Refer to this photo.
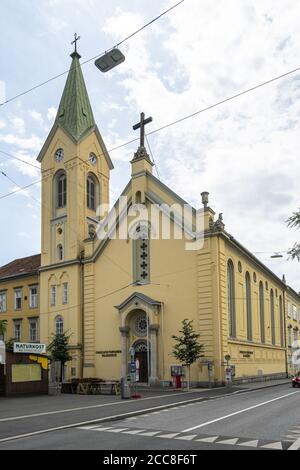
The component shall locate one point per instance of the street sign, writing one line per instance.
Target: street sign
(132, 367)
(29, 348)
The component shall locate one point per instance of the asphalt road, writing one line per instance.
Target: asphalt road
(259, 419)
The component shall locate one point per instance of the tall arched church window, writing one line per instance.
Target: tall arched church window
(281, 322)
(61, 190)
(141, 254)
(92, 192)
(272, 316)
(59, 325)
(248, 306)
(231, 300)
(262, 313)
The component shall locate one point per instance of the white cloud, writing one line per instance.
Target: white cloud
(2, 124)
(36, 116)
(51, 113)
(29, 143)
(18, 124)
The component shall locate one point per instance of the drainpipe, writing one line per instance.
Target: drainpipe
(81, 258)
(285, 336)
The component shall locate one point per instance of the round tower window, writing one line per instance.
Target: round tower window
(140, 324)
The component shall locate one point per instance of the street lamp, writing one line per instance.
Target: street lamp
(276, 255)
(110, 60)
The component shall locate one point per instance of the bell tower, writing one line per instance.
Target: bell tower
(75, 173)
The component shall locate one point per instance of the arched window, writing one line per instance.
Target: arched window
(61, 189)
(248, 306)
(262, 312)
(282, 340)
(59, 325)
(92, 192)
(60, 252)
(272, 316)
(231, 300)
(141, 253)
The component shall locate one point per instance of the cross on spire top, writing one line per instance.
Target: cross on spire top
(76, 38)
(141, 125)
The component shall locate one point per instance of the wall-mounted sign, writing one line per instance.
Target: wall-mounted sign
(29, 348)
(109, 353)
(246, 353)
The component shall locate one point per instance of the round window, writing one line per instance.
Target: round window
(140, 324)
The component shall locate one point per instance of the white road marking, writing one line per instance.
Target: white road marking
(237, 412)
(189, 437)
(273, 445)
(118, 430)
(134, 431)
(208, 439)
(296, 445)
(150, 433)
(253, 443)
(169, 436)
(229, 441)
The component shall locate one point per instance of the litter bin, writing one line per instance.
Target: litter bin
(125, 388)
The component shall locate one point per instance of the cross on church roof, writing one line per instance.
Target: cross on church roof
(141, 125)
(76, 38)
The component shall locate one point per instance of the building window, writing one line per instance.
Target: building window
(248, 306)
(281, 323)
(262, 313)
(53, 295)
(267, 285)
(33, 297)
(59, 325)
(231, 300)
(60, 252)
(2, 302)
(141, 254)
(61, 183)
(65, 293)
(289, 312)
(295, 336)
(33, 331)
(289, 335)
(18, 299)
(294, 312)
(17, 331)
(299, 315)
(240, 267)
(272, 317)
(254, 277)
(91, 193)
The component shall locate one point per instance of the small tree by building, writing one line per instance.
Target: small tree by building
(294, 222)
(59, 350)
(187, 348)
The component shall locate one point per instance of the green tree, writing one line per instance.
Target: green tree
(294, 222)
(59, 350)
(187, 348)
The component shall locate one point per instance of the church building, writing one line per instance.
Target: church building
(120, 280)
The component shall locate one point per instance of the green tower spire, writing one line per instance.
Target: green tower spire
(75, 113)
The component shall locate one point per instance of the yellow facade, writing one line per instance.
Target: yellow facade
(26, 313)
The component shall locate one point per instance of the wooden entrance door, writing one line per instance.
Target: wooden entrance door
(141, 356)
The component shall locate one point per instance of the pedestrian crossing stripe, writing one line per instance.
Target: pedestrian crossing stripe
(224, 440)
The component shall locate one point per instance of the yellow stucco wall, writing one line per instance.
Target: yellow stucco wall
(25, 312)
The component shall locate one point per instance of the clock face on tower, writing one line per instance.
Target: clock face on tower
(59, 155)
(93, 158)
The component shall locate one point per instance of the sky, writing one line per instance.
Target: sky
(244, 152)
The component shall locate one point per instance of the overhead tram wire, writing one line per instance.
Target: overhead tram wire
(186, 117)
(152, 156)
(92, 58)
(9, 155)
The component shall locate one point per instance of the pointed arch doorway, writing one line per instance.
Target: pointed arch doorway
(142, 360)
